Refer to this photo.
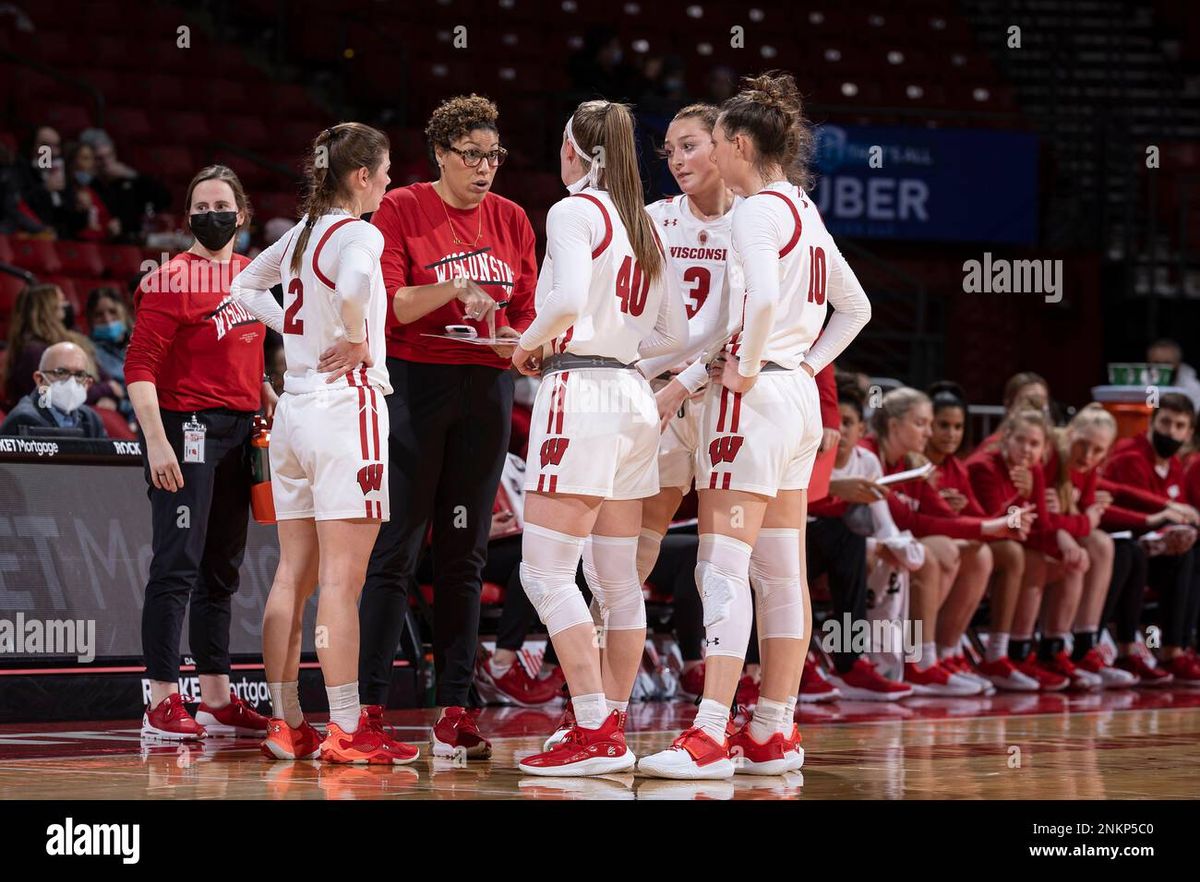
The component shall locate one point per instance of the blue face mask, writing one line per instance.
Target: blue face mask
(83, 178)
(242, 245)
(109, 332)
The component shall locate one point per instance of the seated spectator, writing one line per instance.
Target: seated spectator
(1167, 351)
(56, 402)
(128, 195)
(1023, 391)
(15, 214)
(836, 541)
(108, 317)
(1008, 555)
(1151, 462)
(39, 320)
(92, 220)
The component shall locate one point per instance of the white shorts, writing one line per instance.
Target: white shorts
(594, 432)
(678, 448)
(764, 440)
(329, 455)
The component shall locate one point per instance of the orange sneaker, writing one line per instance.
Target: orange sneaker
(366, 745)
(283, 742)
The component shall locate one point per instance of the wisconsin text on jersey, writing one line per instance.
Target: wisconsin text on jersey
(475, 265)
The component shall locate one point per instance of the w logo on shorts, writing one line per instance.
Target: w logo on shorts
(725, 448)
(553, 450)
(370, 477)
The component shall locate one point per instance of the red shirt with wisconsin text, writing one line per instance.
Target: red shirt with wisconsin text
(418, 236)
(200, 347)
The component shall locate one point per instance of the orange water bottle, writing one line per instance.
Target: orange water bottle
(262, 504)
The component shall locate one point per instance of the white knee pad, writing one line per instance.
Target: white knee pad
(610, 566)
(548, 563)
(778, 591)
(649, 544)
(722, 578)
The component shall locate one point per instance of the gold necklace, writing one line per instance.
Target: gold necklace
(454, 235)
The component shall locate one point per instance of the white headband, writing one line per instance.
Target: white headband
(593, 175)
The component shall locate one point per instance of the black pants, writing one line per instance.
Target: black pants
(831, 547)
(1175, 578)
(1127, 591)
(449, 435)
(198, 540)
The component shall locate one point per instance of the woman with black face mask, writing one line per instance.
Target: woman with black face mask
(194, 370)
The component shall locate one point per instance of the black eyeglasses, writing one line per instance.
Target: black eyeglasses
(472, 158)
(58, 374)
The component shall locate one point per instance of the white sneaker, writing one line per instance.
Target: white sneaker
(692, 756)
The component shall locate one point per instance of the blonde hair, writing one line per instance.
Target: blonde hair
(895, 405)
(609, 126)
(1090, 418)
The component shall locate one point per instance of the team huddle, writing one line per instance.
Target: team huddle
(677, 344)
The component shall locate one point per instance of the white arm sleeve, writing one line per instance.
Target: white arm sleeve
(569, 228)
(758, 234)
(358, 262)
(671, 326)
(851, 312)
(252, 286)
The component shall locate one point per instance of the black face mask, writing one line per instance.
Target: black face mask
(213, 229)
(1164, 445)
(68, 316)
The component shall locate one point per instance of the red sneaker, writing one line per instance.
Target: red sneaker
(366, 745)
(691, 756)
(1048, 680)
(514, 686)
(1003, 674)
(170, 720)
(1112, 678)
(814, 687)
(283, 742)
(565, 724)
(1080, 679)
(777, 756)
(1184, 670)
(457, 735)
(234, 719)
(864, 683)
(747, 693)
(936, 680)
(599, 751)
(958, 664)
(1140, 668)
(691, 683)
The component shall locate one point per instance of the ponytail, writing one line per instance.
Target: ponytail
(605, 131)
(336, 152)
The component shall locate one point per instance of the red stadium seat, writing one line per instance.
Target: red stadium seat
(121, 261)
(186, 126)
(67, 118)
(115, 425)
(36, 255)
(128, 125)
(6, 254)
(80, 258)
(10, 287)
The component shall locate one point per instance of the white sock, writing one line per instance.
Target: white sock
(498, 670)
(769, 717)
(997, 647)
(947, 652)
(344, 708)
(929, 656)
(791, 716)
(622, 706)
(711, 716)
(590, 710)
(285, 702)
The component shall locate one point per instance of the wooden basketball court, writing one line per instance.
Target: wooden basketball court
(1135, 744)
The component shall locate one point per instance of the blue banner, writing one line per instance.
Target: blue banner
(934, 184)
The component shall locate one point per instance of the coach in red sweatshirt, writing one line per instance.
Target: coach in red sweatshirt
(454, 253)
(194, 370)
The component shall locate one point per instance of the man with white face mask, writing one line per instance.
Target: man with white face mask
(60, 387)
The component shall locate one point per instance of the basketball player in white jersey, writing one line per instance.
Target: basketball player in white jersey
(604, 300)
(762, 428)
(695, 228)
(329, 441)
